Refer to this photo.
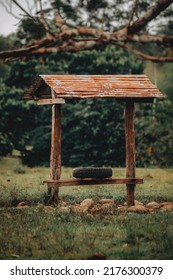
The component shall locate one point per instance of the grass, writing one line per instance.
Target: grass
(38, 232)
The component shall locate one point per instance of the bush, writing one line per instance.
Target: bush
(154, 137)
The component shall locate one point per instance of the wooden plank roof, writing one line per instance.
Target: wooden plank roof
(121, 87)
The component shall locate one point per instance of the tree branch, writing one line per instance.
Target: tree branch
(22, 52)
(76, 39)
(146, 56)
(8, 9)
(82, 37)
(21, 8)
(66, 47)
(60, 22)
(152, 13)
(145, 39)
(43, 20)
(134, 8)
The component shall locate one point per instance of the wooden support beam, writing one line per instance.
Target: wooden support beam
(136, 99)
(51, 101)
(130, 150)
(78, 182)
(55, 158)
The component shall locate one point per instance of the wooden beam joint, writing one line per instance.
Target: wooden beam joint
(50, 101)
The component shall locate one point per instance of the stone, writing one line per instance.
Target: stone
(167, 208)
(152, 204)
(63, 203)
(107, 208)
(95, 209)
(138, 202)
(65, 209)
(122, 209)
(76, 208)
(21, 204)
(49, 208)
(137, 209)
(165, 203)
(106, 200)
(87, 203)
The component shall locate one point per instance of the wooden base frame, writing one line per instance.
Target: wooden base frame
(55, 159)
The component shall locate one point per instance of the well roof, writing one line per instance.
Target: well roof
(122, 87)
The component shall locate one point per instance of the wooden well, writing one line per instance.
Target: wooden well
(56, 89)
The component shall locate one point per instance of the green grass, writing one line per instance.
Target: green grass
(36, 233)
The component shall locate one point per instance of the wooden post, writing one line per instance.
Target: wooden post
(130, 150)
(55, 158)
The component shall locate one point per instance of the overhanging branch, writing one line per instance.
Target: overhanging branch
(144, 55)
(76, 39)
(152, 13)
(145, 39)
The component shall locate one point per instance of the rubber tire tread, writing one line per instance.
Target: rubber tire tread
(95, 172)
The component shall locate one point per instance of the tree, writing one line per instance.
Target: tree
(14, 115)
(6, 43)
(84, 25)
(93, 130)
(154, 136)
(165, 82)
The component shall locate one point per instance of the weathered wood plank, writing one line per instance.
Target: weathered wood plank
(136, 99)
(119, 96)
(130, 150)
(50, 101)
(55, 158)
(93, 86)
(77, 182)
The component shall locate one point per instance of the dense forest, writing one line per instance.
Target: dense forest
(93, 130)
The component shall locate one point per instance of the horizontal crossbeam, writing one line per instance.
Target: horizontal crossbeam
(78, 182)
(50, 101)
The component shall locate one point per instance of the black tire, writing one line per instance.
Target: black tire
(95, 172)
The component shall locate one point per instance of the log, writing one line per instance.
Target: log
(55, 158)
(130, 150)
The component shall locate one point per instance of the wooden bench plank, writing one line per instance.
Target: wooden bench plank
(78, 182)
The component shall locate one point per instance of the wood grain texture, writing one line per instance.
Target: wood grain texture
(93, 86)
(78, 182)
(130, 150)
(50, 101)
(55, 158)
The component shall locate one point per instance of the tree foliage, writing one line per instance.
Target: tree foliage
(93, 130)
(165, 81)
(86, 37)
(154, 136)
(14, 115)
(71, 26)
